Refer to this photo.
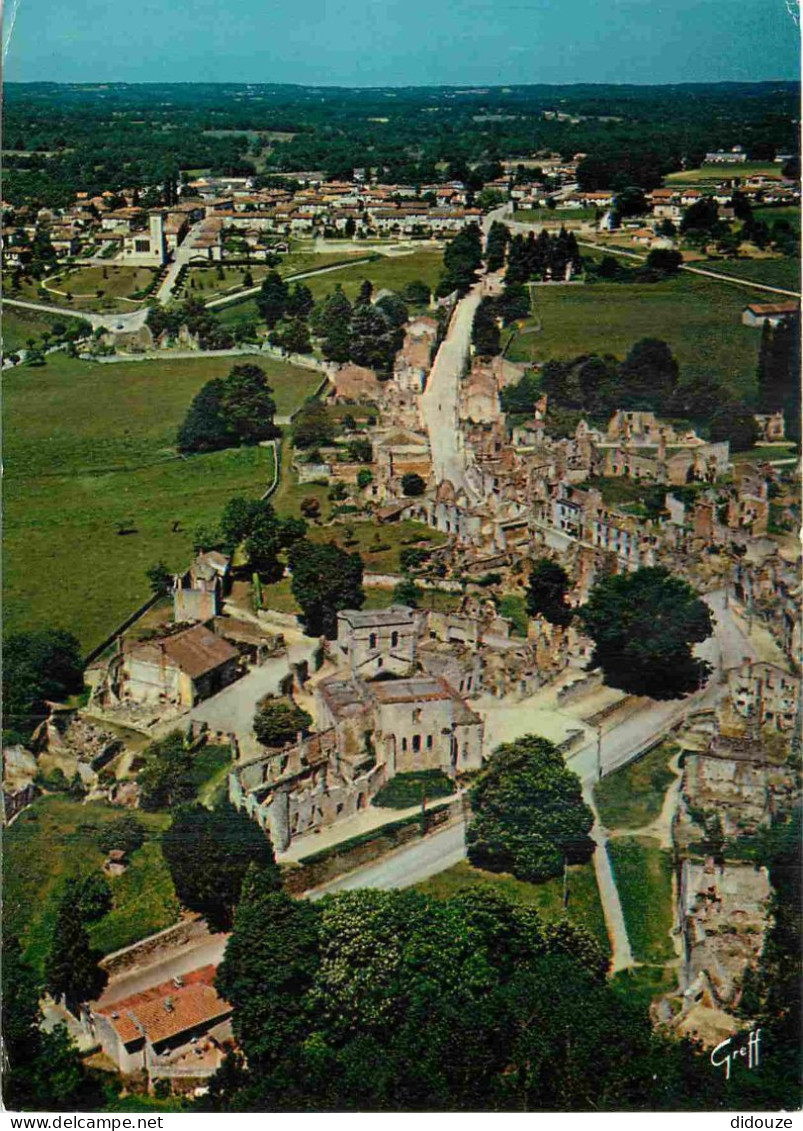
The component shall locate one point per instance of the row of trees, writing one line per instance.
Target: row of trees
(649, 378)
(368, 333)
(542, 257)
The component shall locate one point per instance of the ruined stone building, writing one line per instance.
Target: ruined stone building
(177, 670)
(198, 594)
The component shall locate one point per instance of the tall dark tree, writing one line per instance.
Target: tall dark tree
(229, 411)
(547, 590)
(209, 853)
(461, 260)
(735, 422)
(272, 299)
(38, 667)
(648, 375)
(644, 626)
(528, 813)
(485, 335)
(71, 966)
(496, 245)
(165, 779)
(312, 425)
(325, 580)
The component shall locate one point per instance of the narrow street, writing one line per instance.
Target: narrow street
(439, 402)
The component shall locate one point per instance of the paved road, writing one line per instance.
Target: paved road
(232, 710)
(207, 952)
(183, 254)
(439, 402)
(737, 281)
(406, 866)
(132, 321)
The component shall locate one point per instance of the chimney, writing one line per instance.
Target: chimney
(168, 1005)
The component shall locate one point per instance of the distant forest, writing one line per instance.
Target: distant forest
(59, 139)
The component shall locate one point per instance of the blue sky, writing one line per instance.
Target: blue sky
(402, 42)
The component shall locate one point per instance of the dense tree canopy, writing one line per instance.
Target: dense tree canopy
(325, 580)
(165, 780)
(278, 722)
(528, 814)
(644, 626)
(547, 590)
(393, 1001)
(71, 967)
(230, 411)
(209, 852)
(38, 667)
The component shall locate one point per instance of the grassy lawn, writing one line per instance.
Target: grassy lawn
(773, 271)
(57, 837)
(391, 272)
(770, 214)
(642, 870)
(210, 770)
(765, 452)
(619, 490)
(379, 547)
(279, 597)
(513, 606)
(81, 284)
(89, 446)
(633, 796)
(553, 216)
(699, 318)
(713, 174)
(20, 324)
(643, 984)
(584, 906)
(405, 790)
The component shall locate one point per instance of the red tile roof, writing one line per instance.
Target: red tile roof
(166, 1010)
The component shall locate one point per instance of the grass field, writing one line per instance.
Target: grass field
(584, 907)
(83, 283)
(56, 838)
(19, 325)
(699, 318)
(633, 796)
(209, 285)
(279, 597)
(391, 272)
(379, 546)
(708, 174)
(773, 271)
(642, 870)
(89, 446)
(770, 214)
(553, 216)
(406, 790)
(641, 984)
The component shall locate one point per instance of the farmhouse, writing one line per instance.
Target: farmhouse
(759, 313)
(179, 669)
(174, 1029)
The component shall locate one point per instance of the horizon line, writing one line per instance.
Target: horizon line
(468, 88)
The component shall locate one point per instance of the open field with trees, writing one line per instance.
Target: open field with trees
(553, 216)
(386, 272)
(698, 318)
(770, 213)
(770, 271)
(713, 174)
(123, 287)
(90, 451)
(20, 324)
(57, 837)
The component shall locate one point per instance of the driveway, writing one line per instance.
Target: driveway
(232, 710)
